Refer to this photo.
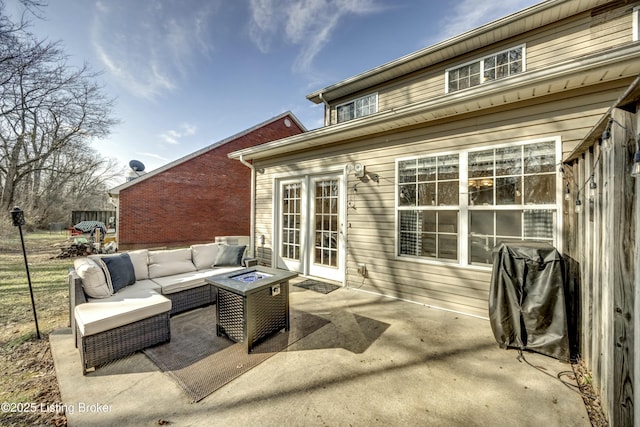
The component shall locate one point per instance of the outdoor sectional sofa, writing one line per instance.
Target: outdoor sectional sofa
(121, 303)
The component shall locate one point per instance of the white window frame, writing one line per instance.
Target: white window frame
(481, 61)
(636, 23)
(434, 207)
(463, 207)
(355, 112)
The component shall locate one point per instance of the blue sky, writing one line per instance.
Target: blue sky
(188, 73)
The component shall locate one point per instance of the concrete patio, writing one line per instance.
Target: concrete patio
(427, 367)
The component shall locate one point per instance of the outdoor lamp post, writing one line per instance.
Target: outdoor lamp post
(17, 216)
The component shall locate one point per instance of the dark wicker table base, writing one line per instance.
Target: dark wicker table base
(254, 317)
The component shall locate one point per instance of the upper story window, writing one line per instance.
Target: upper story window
(494, 67)
(357, 108)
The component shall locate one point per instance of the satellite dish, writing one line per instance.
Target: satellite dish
(136, 165)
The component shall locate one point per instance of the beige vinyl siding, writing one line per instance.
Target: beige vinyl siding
(571, 38)
(577, 37)
(371, 229)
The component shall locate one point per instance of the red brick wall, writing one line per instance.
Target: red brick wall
(204, 197)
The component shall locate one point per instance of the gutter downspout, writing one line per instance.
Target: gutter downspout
(327, 110)
(253, 206)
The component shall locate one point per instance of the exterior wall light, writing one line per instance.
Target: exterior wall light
(593, 188)
(606, 137)
(635, 169)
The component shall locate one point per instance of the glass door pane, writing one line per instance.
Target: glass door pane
(326, 218)
(291, 220)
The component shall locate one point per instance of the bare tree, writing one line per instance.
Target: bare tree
(48, 111)
(75, 178)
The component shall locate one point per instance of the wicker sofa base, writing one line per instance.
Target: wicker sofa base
(102, 348)
(191, 298)
(107, 346)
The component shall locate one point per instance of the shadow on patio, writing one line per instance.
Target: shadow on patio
(376, 361)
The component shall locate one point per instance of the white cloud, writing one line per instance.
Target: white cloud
(153, 156)
(150, 47)
(188, 129)
(304, 23)
(469, 14)
(173, 137)
(264, 22)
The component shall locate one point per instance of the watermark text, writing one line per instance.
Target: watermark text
(57, 407)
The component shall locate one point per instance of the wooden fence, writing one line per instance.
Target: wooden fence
(600, 241)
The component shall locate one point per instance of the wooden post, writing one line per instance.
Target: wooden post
(620, 303)
(636, 306)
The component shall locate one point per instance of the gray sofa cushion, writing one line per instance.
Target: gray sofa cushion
(135, 289)
(170, 262)
(119, 309)
(181, 282)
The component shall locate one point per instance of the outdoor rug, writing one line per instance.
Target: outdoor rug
(318, 286)
(201, 362)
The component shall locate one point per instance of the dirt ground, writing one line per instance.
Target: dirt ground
(29, 366)
(591, 400)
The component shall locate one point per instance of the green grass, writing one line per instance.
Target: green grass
(49, 282)
(25, 361)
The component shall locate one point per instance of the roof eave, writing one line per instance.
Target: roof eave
(470, 39)
(116, 190)
(553, 79)
(627, 101)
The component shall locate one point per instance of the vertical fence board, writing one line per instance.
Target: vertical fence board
(621, 396)
(601, 244)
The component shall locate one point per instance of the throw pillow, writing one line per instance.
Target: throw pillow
(230, 255)
(204, 255)
(94, 281)
(140, 261)
(121, 271)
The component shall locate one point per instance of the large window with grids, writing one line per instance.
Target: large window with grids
(493, 67)
(356, 108)
(428, 198)
(457, 207)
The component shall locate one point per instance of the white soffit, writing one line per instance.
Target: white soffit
(598, 68)
(517, 23)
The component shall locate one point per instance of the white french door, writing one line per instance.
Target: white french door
(290, 228)
(310, 226)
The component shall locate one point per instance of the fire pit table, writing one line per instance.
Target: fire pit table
(252, 303)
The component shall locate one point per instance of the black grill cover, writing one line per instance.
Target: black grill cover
(527, 307)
